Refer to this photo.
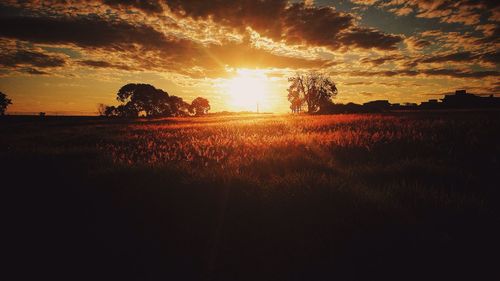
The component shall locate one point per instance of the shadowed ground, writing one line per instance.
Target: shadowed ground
(397, 196)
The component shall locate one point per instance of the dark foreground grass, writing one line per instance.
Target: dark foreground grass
(352, 197)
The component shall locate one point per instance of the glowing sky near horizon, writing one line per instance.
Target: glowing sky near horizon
(68, 56)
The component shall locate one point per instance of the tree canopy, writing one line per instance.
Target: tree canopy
(138, 99)
(4, 103)
(199, 106)
(313, 89)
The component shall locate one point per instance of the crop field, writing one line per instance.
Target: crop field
(253, 197)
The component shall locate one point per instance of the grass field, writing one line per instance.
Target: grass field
(253, 197)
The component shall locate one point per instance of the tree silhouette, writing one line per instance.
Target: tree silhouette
(110, 111)
(294, 97)
(178, 106)
(4, 103)
(101, 109)
(199, 106)
(127, 110)
(312, 89)
(145, 98)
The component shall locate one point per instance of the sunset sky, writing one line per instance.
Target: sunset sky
(67, 56)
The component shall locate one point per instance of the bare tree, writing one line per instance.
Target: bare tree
(294, 94)
(312, 89)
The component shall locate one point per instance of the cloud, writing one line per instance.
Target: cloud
(279, 20)
(214, 60)
(453, 57)
(368, 94)
(468, 57)
(32, 58)
(199, 60)
(386, 73)
(148, 6)
(495, 87)
(30, 61)
(145, 47)
(491, 57)
(81, 31)
(243, 55)
(364, 2)
(296, 23)
(492, 37)
(381, 60)
(416, 44)
(455, 73)
(358, 83)
(315, 26)
(367, 38)
(487, 29)
(33, 71)
(103, 64)
(402, 11)
(461, 73)
(264, 16)
(468, 12)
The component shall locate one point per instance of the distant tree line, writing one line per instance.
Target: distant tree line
(146, 100)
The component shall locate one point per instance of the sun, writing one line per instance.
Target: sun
(248, 90)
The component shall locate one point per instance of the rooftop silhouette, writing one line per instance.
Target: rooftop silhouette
(459, 100)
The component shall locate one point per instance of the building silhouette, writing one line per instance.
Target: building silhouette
(462, 99)
(459, 100)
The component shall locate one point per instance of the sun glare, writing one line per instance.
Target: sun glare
(248, 90)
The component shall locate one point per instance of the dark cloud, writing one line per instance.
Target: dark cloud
(81, 31)
(421, 43)
(148, 6)
(468, 12)
(367, 38)
(357, 83)
(453, 57)
(494, 38)
(455, 73)
(315, 26)
(460, 73)
(264, 16)
(416, 44)
(463, 57)
(24, 57)
(96, 63)
(382, 60)
(103, 64)
(295, 23)
(32, 71)
(491, 57)
(387, 73)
